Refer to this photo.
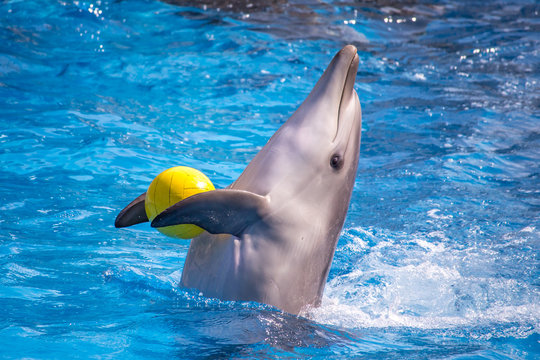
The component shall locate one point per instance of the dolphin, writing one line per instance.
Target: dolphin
(271, 235)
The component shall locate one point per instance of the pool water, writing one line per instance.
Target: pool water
(439, 255)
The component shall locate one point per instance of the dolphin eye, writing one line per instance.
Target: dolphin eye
(336, 162)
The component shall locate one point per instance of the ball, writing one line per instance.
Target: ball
(168, 188)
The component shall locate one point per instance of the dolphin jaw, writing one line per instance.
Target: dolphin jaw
(323, 114)
(348, 94)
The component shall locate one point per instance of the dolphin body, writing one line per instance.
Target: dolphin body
(271, 235)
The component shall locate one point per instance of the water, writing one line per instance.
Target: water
(439, 254)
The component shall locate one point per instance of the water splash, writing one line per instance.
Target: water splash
(426, 282)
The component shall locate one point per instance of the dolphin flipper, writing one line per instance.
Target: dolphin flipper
(132, 214)
(223, 211)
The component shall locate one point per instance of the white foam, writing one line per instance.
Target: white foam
(421, 282)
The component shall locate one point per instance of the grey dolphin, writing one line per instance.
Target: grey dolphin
(271, 235)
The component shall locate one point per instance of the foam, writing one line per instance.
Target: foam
(422, 282)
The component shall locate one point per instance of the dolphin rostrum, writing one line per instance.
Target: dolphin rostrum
(271, 235)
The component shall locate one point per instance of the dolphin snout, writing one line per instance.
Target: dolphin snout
(350, 78)
(349, 50)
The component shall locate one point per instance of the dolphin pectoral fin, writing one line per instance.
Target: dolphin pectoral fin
(132, 214)
(223, 211)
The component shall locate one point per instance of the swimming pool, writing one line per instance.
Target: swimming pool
(438, 257)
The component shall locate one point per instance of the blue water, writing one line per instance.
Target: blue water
(439, 255)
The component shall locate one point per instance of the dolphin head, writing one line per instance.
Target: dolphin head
(313, 157)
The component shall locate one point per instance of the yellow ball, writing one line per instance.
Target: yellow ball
(170, 187)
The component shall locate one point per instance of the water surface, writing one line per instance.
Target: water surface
(438, 257)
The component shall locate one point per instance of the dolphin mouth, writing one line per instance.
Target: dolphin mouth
(344, 127)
